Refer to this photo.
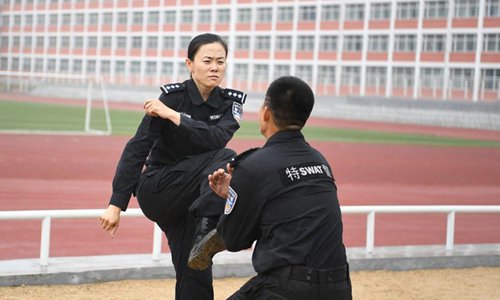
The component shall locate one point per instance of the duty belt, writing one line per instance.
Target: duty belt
(306, 274)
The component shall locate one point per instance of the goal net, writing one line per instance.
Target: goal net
(53, 103)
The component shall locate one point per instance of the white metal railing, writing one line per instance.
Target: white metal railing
(451, 210)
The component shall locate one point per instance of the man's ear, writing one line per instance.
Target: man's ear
(266, 114)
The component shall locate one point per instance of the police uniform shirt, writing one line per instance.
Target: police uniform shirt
(284, 196)
(204, 126)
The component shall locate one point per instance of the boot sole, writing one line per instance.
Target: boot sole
(200, 257)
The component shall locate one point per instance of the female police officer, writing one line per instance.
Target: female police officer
(181, 139)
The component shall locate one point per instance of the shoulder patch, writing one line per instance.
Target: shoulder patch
(230, 201)
(234, 95)
(237, 111)
(236, 160)
(172, 88)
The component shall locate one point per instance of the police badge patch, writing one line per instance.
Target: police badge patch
(237, 111)
(230, 201)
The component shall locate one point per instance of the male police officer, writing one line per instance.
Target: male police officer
(284, 197)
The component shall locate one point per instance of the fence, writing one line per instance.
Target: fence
(47, 215)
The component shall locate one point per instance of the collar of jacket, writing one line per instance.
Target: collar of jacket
(215, 99)
(285, 136)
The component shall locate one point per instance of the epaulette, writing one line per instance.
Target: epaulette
(236, 160)
(234, 95)
(172, 88)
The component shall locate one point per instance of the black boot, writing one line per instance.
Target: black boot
(207, 243)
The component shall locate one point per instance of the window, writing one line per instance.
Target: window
(380, 11)
(328, 43)
(184, 42)
(39, 42)
(106, 42)
(281, 70)
(283, 43)
(65, 42)
(28, 21)
(122, 18)
(350, 75)
(66, 19)
(490, 79)
(121, 42)
(466, 8)
(330, 13)
(223, 16)
(464, 43)
(242, 43)
(78, 42)
(376, 76)
(354, 12)
(5, 21)
(403, 77)
(77, 66)
(353, 43)
(79, 19)
(285, 14)
(107, 18)
(120, 67)
(304, 72)
(260, 72)
(169, 17)
(4, 42)
(26, 65)
(168, 43)
(135, 67)
(4, 63)
(305, 43)
(407, 10)
(241, 72)
(244, 15)
(262, 43)
(326, 75)
(431, 77)
(15, 64)
(264, 15)
(204, 16)
(40, 20)
(167, 68)
(491, 42)
(91, 66)
(307, 13)
(153, 18)
(136, 42)
(137, 18)
(405, 43)
(17, 20)
(105, 67)
(492, 8)
(434, 43)
(151, 68)
(461, 78)
(28, 40)
(187, 16)
(378, 43)
(152, 42)
(39, 65)
(94, 19)
(436, 10)
(92, 42)
(64, 66)
(53, 19)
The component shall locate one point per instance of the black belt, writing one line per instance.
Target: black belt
(306, 274)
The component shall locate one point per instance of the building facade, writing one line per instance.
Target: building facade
(416, 49)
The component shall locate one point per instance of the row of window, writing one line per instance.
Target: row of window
(350, 75)
(327, 12)
(351, 43)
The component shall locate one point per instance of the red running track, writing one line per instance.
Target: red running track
(75, 172)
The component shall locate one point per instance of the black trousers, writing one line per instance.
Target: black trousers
(165, 195)
(284, 285)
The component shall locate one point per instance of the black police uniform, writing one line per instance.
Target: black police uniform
(178, 160)
(284, 197)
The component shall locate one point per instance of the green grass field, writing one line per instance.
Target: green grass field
(53, 117)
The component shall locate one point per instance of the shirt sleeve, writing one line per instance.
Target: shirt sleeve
(210, 137)
(132, 161)
(239, 227)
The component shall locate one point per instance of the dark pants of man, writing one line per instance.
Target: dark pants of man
(165, 194)
(276, 288)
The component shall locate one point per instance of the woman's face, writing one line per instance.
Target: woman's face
(208, 66)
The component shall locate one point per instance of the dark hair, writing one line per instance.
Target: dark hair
(203, 39)
(291, 101)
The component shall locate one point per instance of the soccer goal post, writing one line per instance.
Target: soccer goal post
(64, 90)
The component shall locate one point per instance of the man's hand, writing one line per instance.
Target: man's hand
(110, 219)
(156, 108)
(219, 181)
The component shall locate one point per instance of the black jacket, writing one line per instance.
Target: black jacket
(204, 126)
(284, 196)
